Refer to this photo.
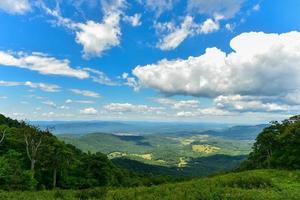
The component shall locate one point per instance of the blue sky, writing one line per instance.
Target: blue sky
(231, 61)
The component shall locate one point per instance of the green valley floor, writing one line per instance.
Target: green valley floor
(254, 185)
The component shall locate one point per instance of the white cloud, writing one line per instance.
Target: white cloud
(176, 35)
(95, 37)
(54, 105)
(86, 93)
(48, 114)
(79, 101)
(15, 6)
(186, 114)
(226, 8)
(89, 111)
(134, 20)
(256, 7)
(42, 86)
(100, 77)
(209, 26)
(127, 107)
(50, 104)
(41, 63)
(130, 81)
(229, 26)
(3, 97)
(179, 104)
(158, 6)
(18, 114)
(247, 104)
(63, 107)
(203, 112)
(260, 64)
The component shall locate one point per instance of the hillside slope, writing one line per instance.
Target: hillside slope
(248, 185)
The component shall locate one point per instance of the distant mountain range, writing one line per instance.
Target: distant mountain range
(141, 128)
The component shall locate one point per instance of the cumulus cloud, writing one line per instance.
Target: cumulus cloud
(98, 37)
(89, 111)
(41, 86)
(15, 6)
(134, 20)
(95, 37)
(41, 63)
(260, 64)
(176, 35)
(86, 93)
(209, 26)
(226, 8)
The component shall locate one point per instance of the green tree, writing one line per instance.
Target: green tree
(12, 173)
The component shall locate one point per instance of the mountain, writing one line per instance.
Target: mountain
(141, 128)
(239, 132)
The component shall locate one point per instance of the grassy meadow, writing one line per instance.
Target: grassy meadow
(248, 185)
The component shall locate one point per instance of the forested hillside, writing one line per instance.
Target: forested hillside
(31, 158)
(277, 146)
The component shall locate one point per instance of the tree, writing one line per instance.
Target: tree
(33, 140)
(12, 173)
(58, 158)
(277, 146)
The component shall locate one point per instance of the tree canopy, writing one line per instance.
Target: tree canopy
(277, 146)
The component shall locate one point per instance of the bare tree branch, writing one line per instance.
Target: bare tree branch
(27, 147)
(3, 136)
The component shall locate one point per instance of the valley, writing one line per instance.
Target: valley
(179, 153)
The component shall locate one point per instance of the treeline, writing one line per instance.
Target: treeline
(277, 146)
(31, 158)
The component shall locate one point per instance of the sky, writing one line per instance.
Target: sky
(228, 61)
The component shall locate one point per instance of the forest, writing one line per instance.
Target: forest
(34, 159)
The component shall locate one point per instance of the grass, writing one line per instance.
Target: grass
(248, 185)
